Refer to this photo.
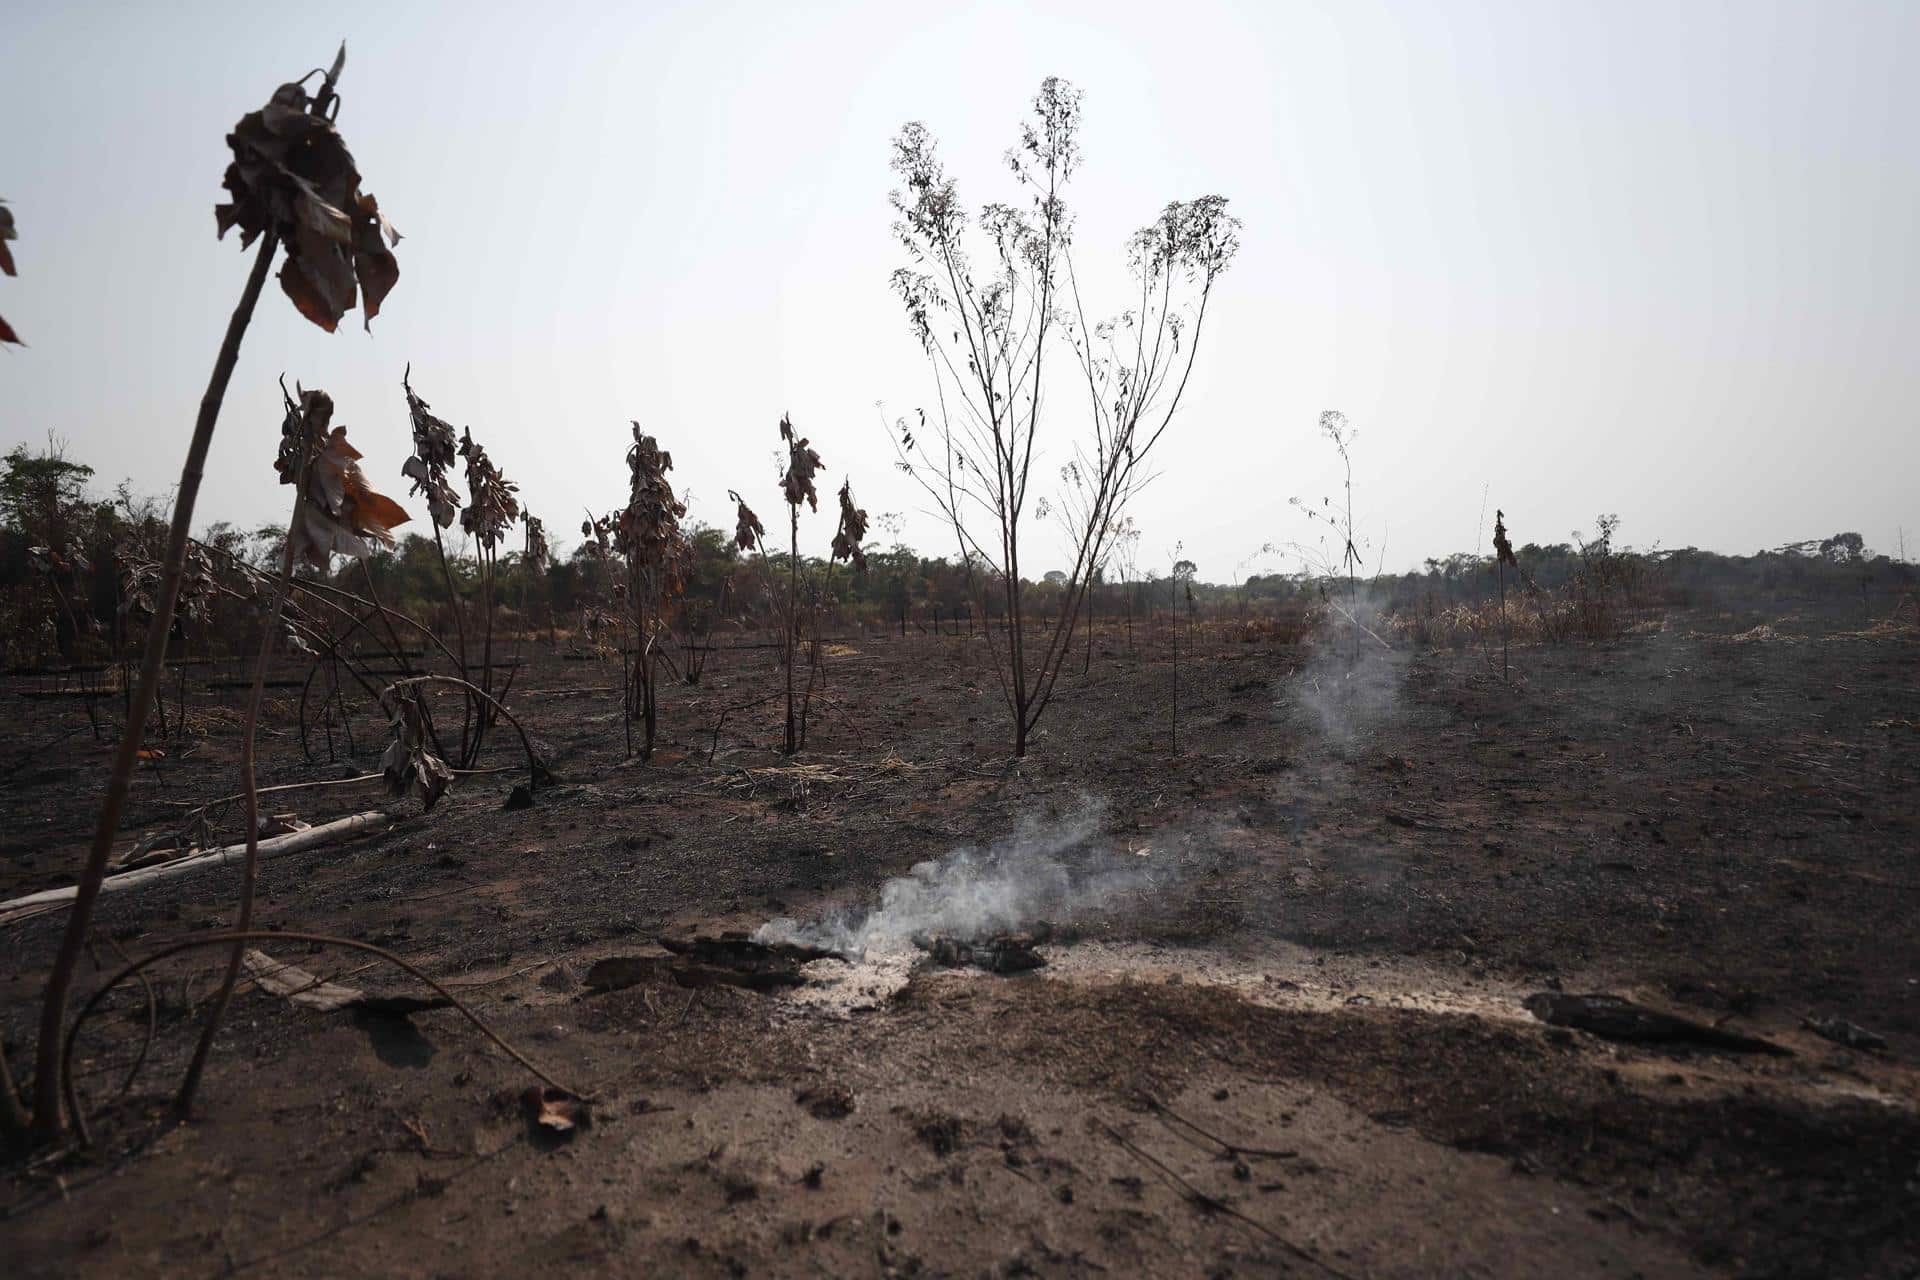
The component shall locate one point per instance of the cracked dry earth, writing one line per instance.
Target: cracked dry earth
(1291, 1043)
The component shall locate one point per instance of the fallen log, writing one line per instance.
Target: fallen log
(34, 904)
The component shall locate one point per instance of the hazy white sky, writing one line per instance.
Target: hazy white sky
(1657, 259)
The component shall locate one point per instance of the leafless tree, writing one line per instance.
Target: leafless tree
(338, 254)
(991, 320)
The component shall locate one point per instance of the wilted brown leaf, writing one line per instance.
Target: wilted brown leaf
(6, 264)
(554, 1110)
(341, 511)
(536, 548)
(747, 529)
(6, 233)
(1503, 549)
(491, 506)
(410, 763)
(434, 451)
(802, 463)
(649, 528)
(293, 175)
(852, 531)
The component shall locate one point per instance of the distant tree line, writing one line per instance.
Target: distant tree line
(75, 569)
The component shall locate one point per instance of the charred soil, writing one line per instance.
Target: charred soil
(1292, 1043)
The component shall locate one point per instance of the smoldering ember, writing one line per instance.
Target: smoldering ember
(512, 766)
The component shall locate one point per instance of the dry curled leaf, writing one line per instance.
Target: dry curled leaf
(852, 530)
(747, 529)
(410, 763)
(292, 175)
(341, 512)
(802, 463)
(598, 531)
(554, 1110)
(649, 528)
(6, 233)
(140, 577)
(536, 548)
(6, 264)
(434, 451)
(491, 506)
(1503, 549)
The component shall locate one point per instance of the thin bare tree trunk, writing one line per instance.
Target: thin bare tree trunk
(486, 660)
(249, 784)
(1503, 620)
(459, 608)
(49, 1118)
(1176, 666)
(399, 654)
(792, 743)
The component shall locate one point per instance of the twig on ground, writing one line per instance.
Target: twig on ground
(1170, 1117)
(1211, 1204)
(260, 935)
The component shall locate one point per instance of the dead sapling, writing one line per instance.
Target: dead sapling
(410, 763)
(848, 536)
(334, 511)
(1349, 560)
(436, 450)
(649, 538)
(292, 183)
(534, 555)
(490, 513)
(990, 300)
(749, 534)
(1503, 556)
(1180, 578)
(796, 484)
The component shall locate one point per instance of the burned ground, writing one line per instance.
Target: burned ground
(1331, 912)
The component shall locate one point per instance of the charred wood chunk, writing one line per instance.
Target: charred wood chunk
(736, 950)
(617, 972)
(1840, 1031)
(731, 960)
(1001, 953)
(1614, 1018)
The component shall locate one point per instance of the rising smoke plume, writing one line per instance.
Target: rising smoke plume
(1054, 872)
(1350, 685)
